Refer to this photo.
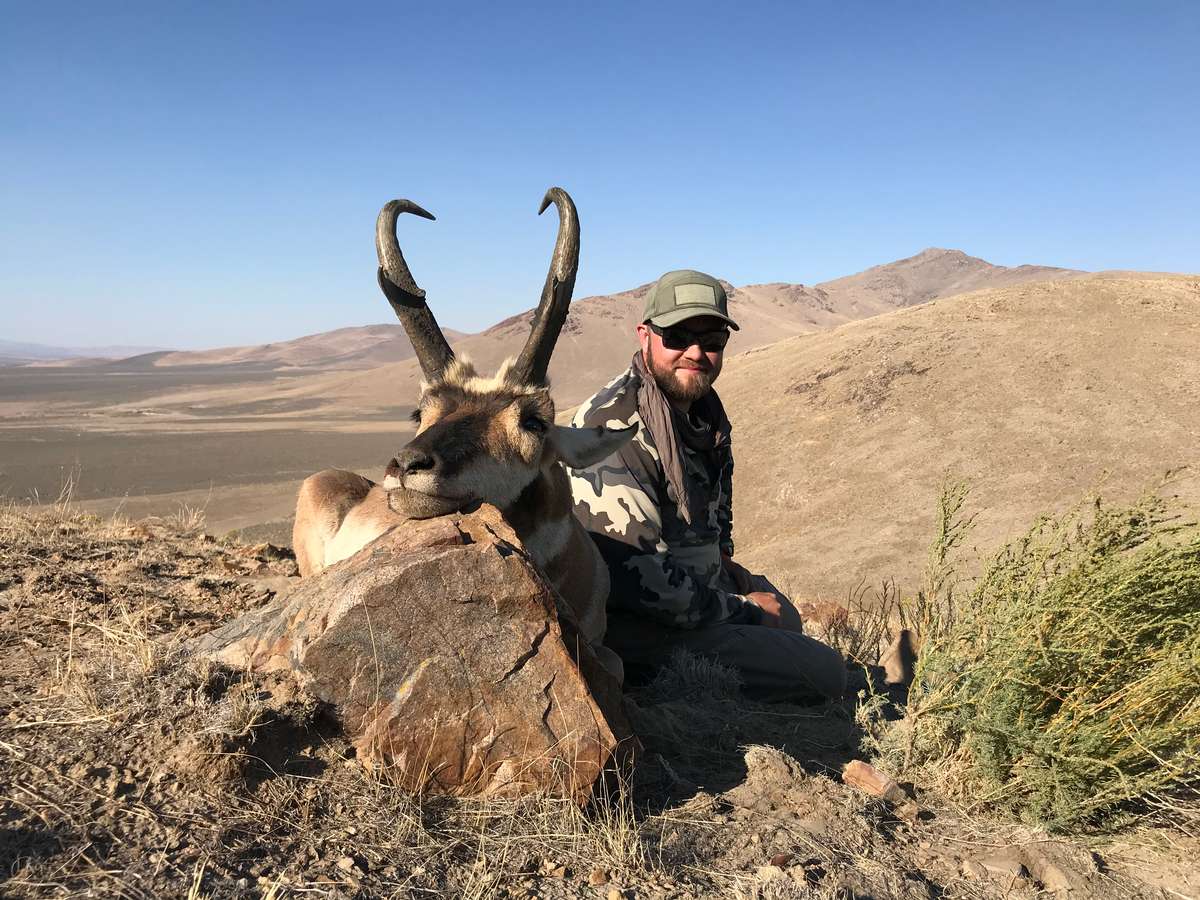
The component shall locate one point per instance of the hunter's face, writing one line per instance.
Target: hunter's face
(685, 358)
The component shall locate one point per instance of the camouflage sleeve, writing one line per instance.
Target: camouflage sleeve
(725, 510)
(618, 501)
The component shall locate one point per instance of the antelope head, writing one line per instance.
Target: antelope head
(481, 438)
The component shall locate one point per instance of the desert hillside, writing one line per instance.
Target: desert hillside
(770, 311)
(1036, 394)
(930, 274)
(597, 340)
(360, 347)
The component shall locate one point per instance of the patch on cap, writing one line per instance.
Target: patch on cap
(701, 294)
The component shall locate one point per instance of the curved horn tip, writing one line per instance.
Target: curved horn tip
(552, 196)
(407, 206)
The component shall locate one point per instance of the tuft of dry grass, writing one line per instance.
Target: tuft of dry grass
(188, 520)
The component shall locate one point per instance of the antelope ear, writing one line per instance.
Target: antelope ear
(579, 447)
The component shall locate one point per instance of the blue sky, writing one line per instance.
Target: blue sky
(194, 175)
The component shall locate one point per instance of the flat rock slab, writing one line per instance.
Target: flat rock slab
(439, 644)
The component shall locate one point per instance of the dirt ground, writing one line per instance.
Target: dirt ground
(119, 439)
(117, 466)
(131, 769)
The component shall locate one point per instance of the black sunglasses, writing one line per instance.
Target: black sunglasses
(676, 338)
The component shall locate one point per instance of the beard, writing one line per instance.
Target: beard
(699, 381)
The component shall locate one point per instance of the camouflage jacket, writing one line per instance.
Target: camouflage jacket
(660, 566)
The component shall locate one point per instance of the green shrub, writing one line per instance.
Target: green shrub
(1064, 683)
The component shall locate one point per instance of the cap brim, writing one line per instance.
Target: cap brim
(683, 313)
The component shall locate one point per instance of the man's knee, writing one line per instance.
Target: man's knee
(822, 667)
(786, 663)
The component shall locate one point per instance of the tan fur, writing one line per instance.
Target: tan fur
(338, 513)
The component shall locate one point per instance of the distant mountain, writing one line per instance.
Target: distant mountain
(15, 353)
(597, 340)
(930, 274)
(363, 347)
(598, 332)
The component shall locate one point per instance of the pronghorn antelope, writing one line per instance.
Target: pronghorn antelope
(478, 439)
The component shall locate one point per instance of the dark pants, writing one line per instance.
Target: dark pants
(772, 662)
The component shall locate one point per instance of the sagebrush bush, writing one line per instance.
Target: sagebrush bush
(1064, 682)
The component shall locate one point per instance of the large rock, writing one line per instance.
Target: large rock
(441, 648)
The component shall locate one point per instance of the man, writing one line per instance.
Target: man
(660, 510)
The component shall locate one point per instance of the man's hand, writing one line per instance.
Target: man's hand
(770, 606)
(778, 611)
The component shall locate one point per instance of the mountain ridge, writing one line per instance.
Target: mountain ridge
(774, 310)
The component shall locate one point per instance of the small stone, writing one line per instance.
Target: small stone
(781, 859)
(769, 873)
(867, 778)
(908, 812)
(615, 894)
(1005, 864)
(972, 869)
(552, 869)
(347, 863)
(1053, 877)
(597, 877)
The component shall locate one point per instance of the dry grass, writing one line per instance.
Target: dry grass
(138, 771)
(872, 617)
(187, 519)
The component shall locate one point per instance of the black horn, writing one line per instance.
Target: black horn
(408, 300)
(551, 313)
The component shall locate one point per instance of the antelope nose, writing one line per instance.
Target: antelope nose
(411, 461)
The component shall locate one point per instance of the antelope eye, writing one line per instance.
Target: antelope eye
(533, 424)
(415, 415)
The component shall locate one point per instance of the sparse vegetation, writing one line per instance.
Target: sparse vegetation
(133, 769)
(188, 519)
(861, 633)
(1063, 683)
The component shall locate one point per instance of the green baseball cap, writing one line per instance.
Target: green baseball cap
(685, 294)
